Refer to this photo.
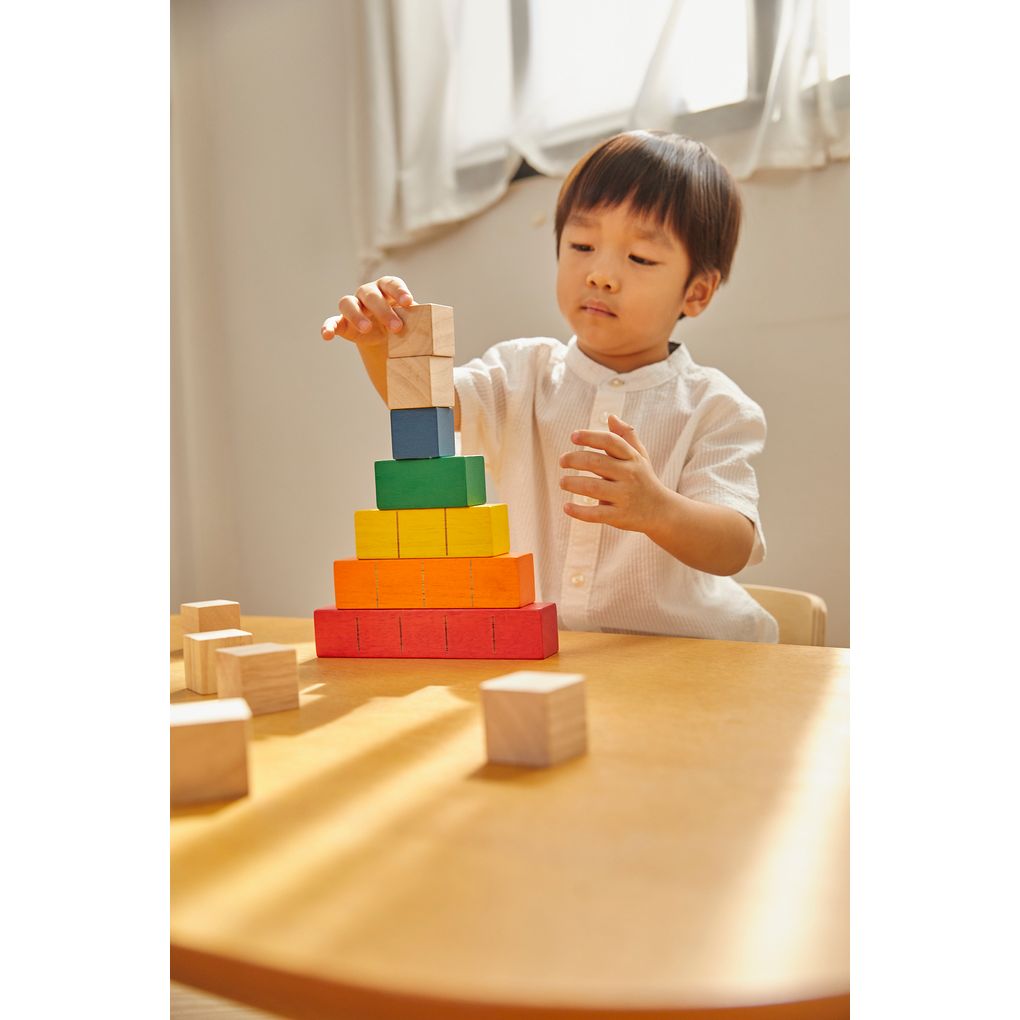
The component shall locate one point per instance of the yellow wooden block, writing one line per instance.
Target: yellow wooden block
(422, 532)
(375, 534)
(477, 530)
(419, 382)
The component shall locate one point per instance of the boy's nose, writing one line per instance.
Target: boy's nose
(603, 281)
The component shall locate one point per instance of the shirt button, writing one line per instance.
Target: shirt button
(615, 382)
(577, 580)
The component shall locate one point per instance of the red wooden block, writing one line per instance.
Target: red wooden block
(526, 633)
(469, 633)
(336, 633)
(379, 633)
(423, 634)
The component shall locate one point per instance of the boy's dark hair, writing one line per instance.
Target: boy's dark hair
(670, 178)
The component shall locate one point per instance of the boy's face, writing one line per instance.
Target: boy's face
(620, 284)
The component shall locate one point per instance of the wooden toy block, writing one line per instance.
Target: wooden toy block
(209, 750)
(216, 614)
(265, 675)
(336, 633)
(525, 633)
(423, 484)
(375, 534)
(469, 634)
(529, 632)
(399, 584)
(447, 583)
(502, 581)
(533, 718)
(200, 656)
(354, 583)
(417, 432)
(419, 382)
(428, 329)
(379, 633)
(477, 530)
(421, 532)
(423, 635)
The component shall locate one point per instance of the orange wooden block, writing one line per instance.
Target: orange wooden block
(354, 584)
(399, 584)
(448, 583)
(503, 582)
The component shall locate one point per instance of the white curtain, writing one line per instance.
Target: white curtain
(447, 96)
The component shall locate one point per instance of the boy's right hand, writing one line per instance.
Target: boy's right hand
(367, 317)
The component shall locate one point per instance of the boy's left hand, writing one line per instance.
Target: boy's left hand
(630, 494)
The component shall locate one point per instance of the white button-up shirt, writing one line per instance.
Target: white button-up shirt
(519, 404)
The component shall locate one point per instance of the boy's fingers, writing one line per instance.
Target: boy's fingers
(613, 444)
(597, 463)
(591, 514)
(332, 326)
(627, 433)
(355, 313)
(375, 303)
(396, 290)
(585, 485)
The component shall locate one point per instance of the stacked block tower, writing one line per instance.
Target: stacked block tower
(433, 576)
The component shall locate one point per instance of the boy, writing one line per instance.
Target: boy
(646, 227)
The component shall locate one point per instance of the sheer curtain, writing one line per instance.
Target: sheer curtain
(446, 97)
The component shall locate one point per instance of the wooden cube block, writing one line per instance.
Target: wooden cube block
(199, 656)
(477, 530)
(503, 581)
(399, 584)
(265, 675)
(423, 484)
(419, 382)
(208, 750)
(217, 614)
(375, 534)
(354, 583)
(417, 432)
(428, 329)
(447, 583)
(420, 532)
(529, 632)
(534, 718)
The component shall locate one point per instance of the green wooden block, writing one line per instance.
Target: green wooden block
(431, 483)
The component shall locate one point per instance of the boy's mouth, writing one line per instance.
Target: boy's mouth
(597, 308)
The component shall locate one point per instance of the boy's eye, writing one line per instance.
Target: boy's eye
(581, 247)
(643, 262)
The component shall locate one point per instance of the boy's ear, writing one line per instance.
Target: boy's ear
(700, 292)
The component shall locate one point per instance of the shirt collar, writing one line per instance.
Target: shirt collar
(639, 379)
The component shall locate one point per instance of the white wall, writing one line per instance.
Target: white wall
(277, 431)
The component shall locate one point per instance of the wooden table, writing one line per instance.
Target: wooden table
(696, 858)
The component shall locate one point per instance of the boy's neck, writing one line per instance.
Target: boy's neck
(623, 363)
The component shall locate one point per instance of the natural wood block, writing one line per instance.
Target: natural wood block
(419, 382)
(399, 584)
(534, 718)
(525, 633)
(200, 656)
(417, 432)
(354, 584)
(423, 484)
(447, 583)
(428, 329)
(421, 532)
(529, 632)
(502, 581)
(375, 534)
(216, 614)
(265, 675)
(208, 750)
(477, 530)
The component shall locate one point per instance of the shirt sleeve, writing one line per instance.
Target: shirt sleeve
(490, 388)
(718, 468)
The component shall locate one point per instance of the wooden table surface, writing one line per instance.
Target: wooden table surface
(696, 858)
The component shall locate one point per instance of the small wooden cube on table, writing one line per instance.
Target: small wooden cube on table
(200, 656)
(264, 674)
(534, 718)
(209, 750)
(214, 614)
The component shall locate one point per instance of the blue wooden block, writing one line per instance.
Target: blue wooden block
(422, 432)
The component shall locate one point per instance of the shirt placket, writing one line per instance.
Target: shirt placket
(579, 566)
